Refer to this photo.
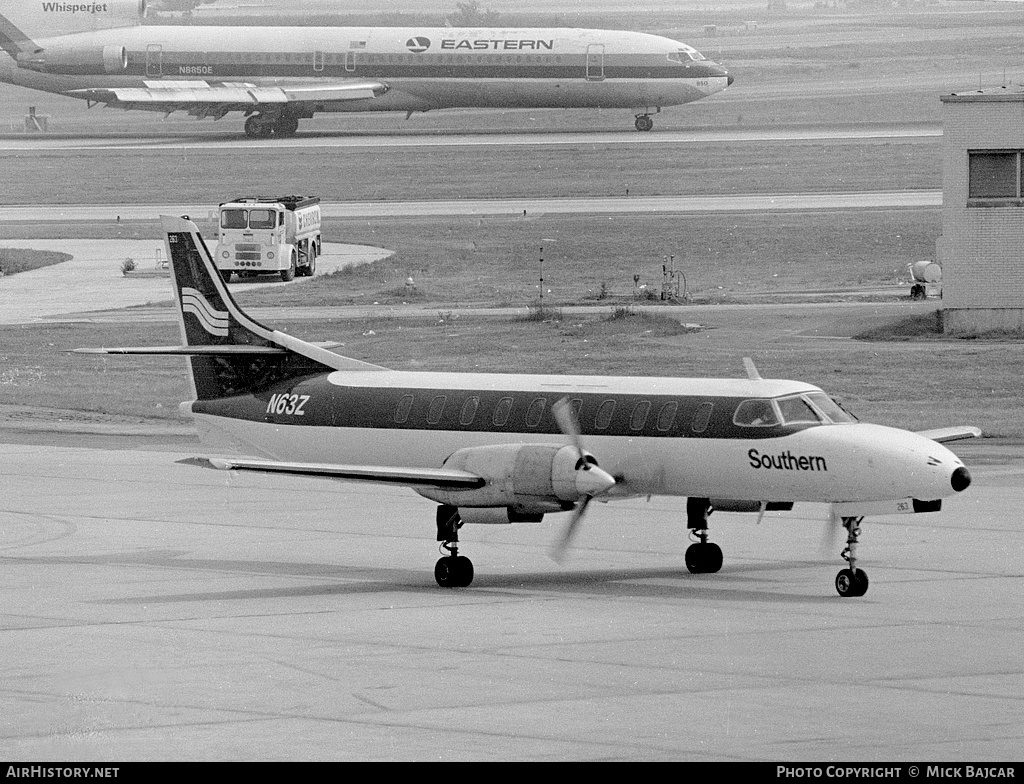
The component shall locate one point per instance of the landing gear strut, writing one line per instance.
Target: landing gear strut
(452, 570)
(852, 581)
(702, 557)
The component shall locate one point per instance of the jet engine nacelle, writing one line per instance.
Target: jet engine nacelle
(85, 61)
(522, 478)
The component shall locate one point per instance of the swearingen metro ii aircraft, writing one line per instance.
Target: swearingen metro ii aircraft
(279, 75)
(505, 448)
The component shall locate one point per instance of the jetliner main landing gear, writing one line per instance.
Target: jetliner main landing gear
(452, 570)
(262, 126)
(644, 122)
(852, 581)
(702, 557)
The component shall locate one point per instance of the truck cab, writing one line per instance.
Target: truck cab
(258, 236)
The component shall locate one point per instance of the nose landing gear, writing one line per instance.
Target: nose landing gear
(852, 581)
(644, 122)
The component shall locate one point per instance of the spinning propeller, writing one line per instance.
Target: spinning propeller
(590, 480)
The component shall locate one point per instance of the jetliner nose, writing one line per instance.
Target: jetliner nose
(961, 479)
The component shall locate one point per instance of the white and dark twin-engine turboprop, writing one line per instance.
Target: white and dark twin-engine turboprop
(275, 76)
(511, 448)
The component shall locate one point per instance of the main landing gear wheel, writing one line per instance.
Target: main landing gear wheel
(704, 558)
(258, 127)
(453, 570)
(644, 122)
(852, 581)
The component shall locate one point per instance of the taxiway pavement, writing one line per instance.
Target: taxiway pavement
(92, 279)
(157, 610)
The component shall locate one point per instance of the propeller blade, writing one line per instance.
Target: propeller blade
(567, 422)
(562, 545)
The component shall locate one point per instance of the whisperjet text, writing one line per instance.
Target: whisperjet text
(74, 8)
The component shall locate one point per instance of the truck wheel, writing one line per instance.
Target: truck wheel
(289, 274)
(311, 257)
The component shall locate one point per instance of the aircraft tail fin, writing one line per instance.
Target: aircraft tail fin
(22, 22)
(229, 352)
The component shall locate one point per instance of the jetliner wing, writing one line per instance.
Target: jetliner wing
(944, 434)
(227, 96)
(447, 478)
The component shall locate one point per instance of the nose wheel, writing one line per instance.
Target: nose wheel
(644, 122)
(702, 557)
(851, 581)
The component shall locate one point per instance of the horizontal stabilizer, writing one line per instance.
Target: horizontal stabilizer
(944, 434)
(447, 478)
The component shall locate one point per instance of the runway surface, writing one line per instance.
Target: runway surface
(93, 280)
(155, 610)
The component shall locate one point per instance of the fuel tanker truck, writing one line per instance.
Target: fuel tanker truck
(278, 236)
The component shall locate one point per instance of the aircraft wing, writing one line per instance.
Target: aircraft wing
(944, 434)
(228, 96)
(447, 478)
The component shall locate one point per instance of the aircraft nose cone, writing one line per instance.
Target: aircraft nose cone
(593, 481)
(961, 479)
(730, 79)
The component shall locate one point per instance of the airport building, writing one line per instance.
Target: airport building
(981, 250)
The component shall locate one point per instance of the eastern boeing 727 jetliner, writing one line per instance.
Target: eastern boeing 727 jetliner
(494, 448)
(278, 75)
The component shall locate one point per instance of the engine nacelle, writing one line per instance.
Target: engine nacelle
(522, 478)
(86, 61)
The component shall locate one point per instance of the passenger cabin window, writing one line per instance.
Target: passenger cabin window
(604, 415)
(501, 411)
(702, 417)
(796, 410)
(402, 412)
(536, 412)
(639, 418)
(667, 416)
(756, 413)
(436, 409)
(469, 410)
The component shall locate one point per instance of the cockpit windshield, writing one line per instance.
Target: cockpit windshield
(685, 56)
(812, 408)
(830, 407)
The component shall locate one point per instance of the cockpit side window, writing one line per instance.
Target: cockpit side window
(796, 410)
(830, 408)
(756, 413)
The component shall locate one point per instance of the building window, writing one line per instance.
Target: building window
(994, 174)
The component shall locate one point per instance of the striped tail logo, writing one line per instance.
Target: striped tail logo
(213, 321)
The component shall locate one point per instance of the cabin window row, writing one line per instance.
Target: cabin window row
(471, 412)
